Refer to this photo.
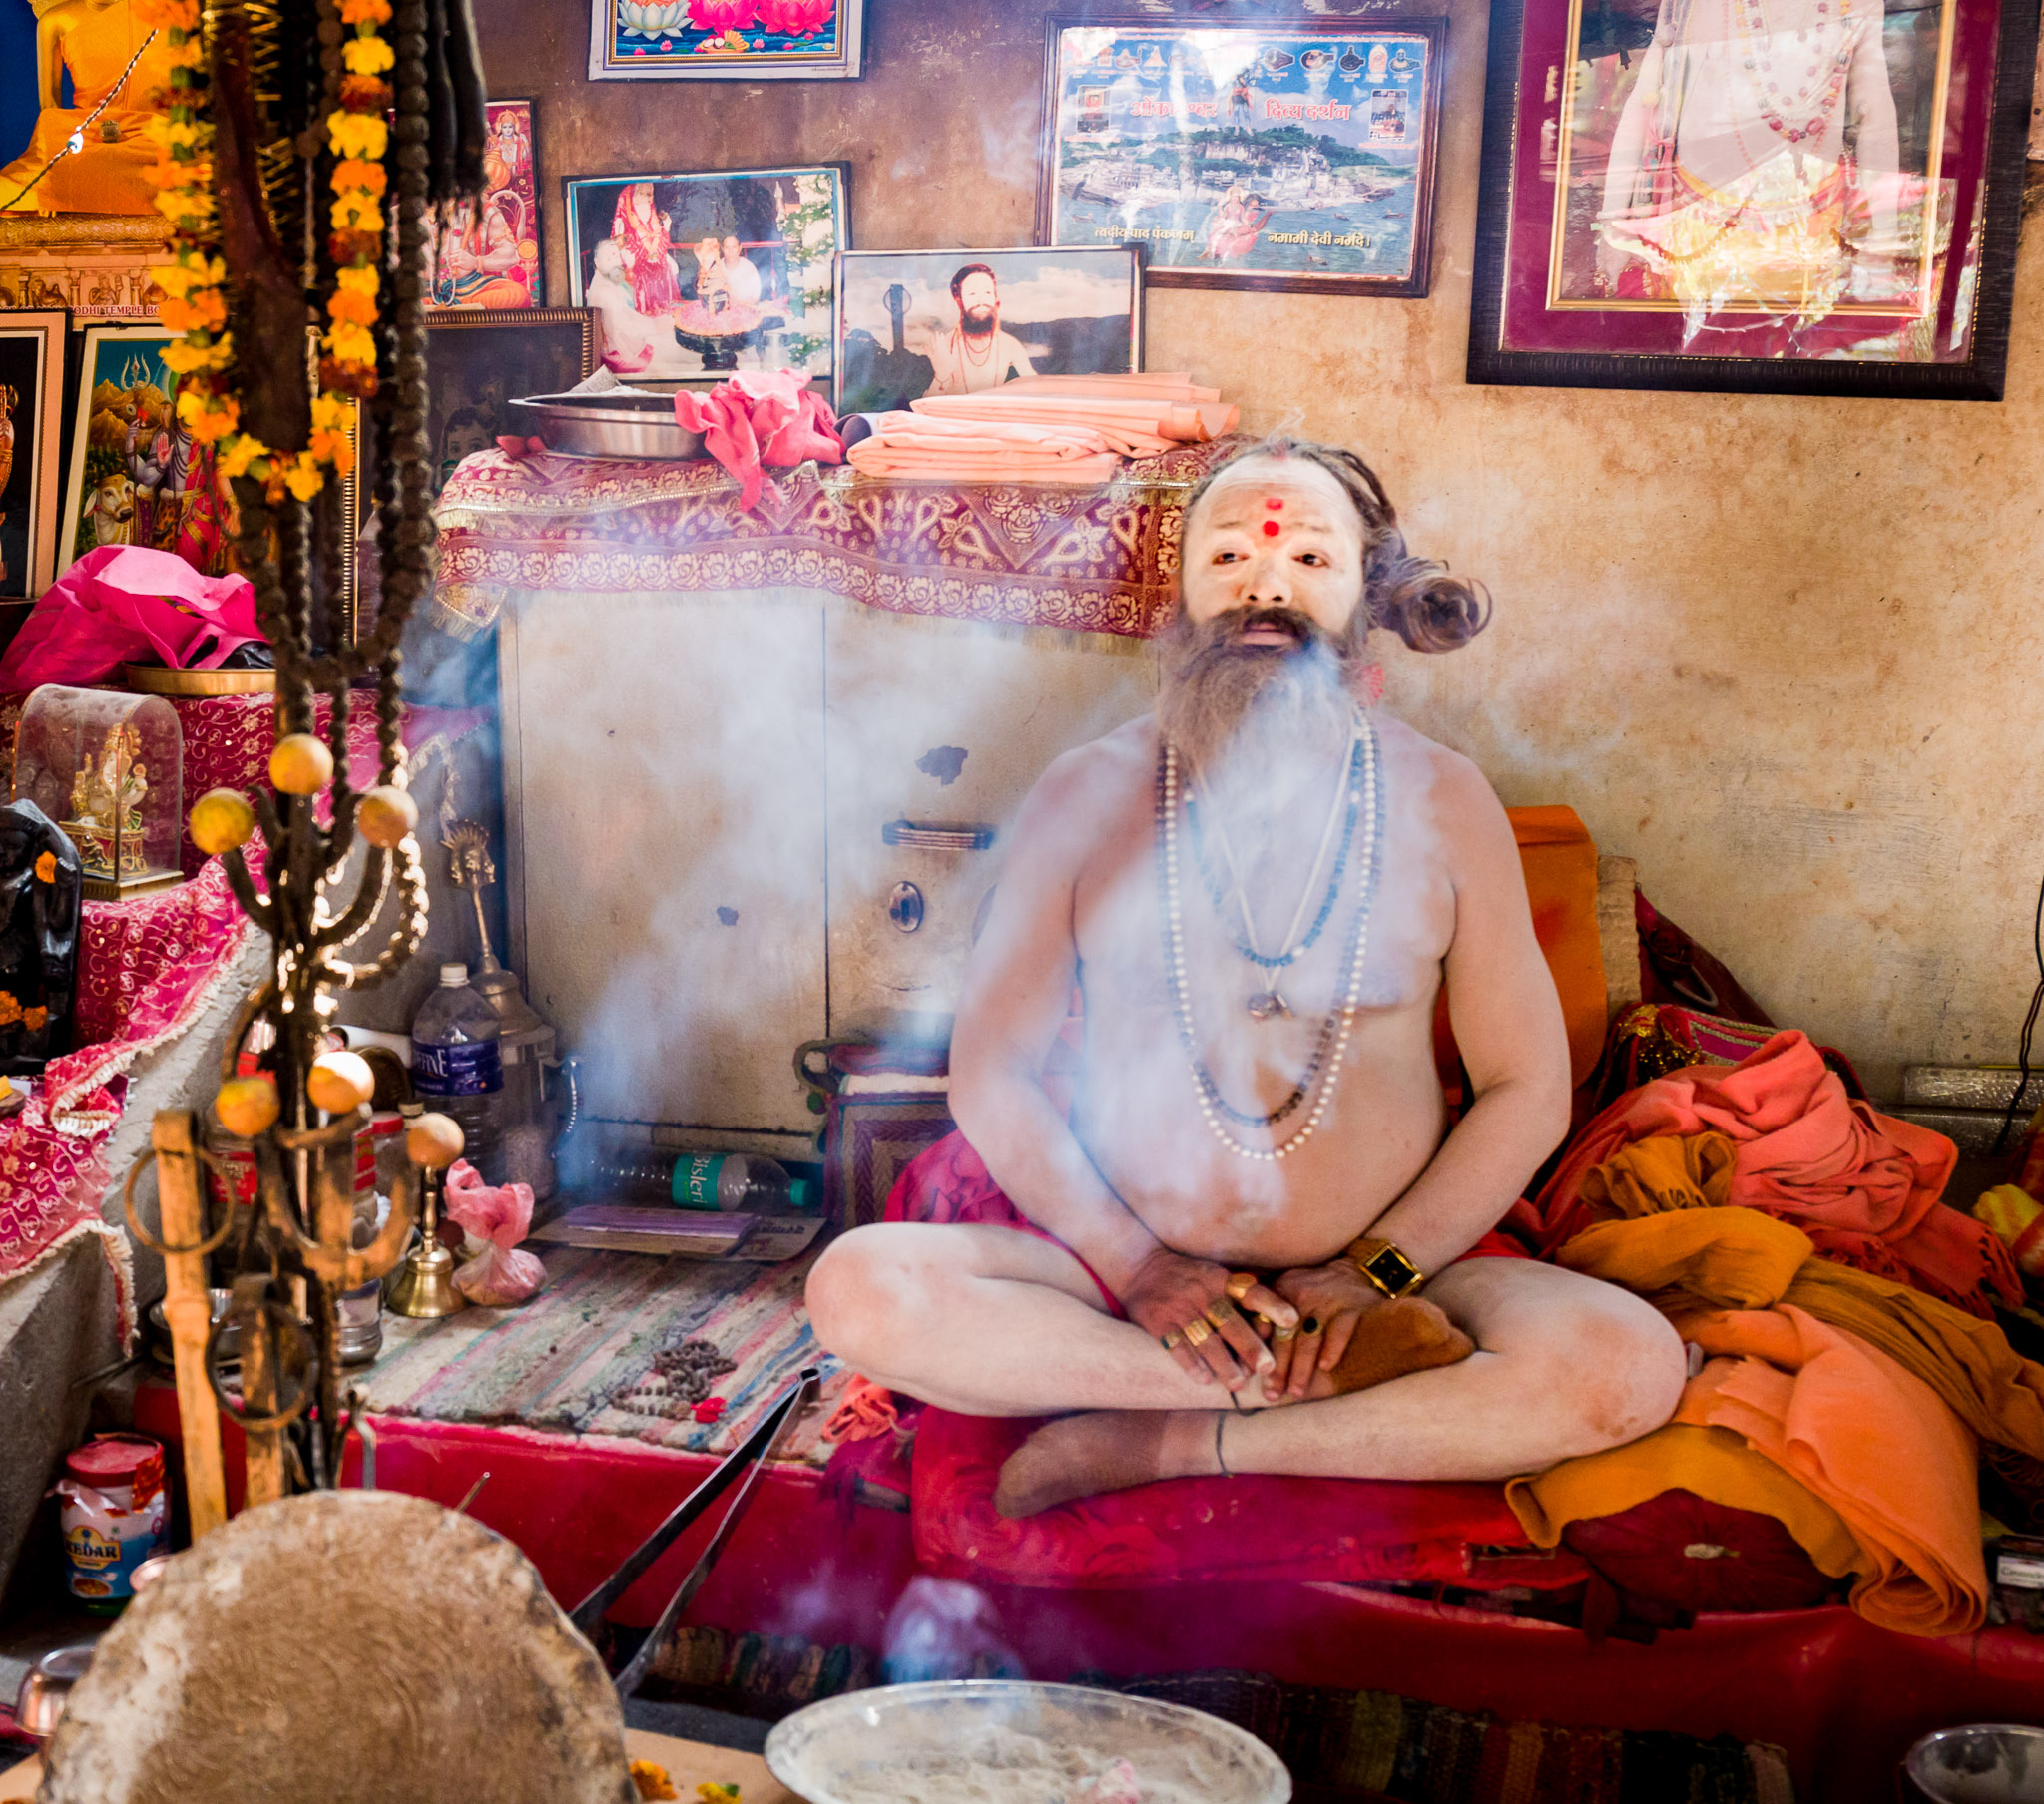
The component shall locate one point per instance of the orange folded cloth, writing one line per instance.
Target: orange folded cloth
(938, 450)
(1864, 1187)
(1710, 1463)
(1870, 1439)
(1157, 385)
(1652, 1177)
(1694, 1259)
(1135, 426)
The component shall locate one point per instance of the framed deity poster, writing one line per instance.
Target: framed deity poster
(693, 277)
(135, 476)
(725, 40)
(1290, 154)
(31, 430)
(918, 323)
(1799, 196)
(489, 252)
(476, 362)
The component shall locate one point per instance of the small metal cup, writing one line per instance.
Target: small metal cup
(46, 1689)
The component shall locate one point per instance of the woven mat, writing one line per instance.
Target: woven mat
(583, 1356)
(1342, 1747)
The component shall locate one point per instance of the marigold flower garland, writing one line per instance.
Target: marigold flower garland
(195, 299)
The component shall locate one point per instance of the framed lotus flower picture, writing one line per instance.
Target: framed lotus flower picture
(725, 40)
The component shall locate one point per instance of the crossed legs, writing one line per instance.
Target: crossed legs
(989, 1322)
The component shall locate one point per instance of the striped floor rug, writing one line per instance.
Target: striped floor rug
(583, 1356)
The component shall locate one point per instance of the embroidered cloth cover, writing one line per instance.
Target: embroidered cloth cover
(1097, 560)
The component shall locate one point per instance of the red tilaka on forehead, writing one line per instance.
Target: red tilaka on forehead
(1274, 502)
(1271, 529)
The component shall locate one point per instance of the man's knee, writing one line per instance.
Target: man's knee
(1617, 1372)
(869, 1290)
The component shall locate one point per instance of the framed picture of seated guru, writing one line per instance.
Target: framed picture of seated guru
(1792, 196)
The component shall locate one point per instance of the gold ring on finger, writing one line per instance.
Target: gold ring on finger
(1172, 1342)
(1280, 1336)
(1198, 1333)
(1239, 1284)
(1220, 1313)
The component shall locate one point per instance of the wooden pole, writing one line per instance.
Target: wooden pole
(189, 1313)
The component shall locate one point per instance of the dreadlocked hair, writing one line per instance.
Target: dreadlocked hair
(1414, 596)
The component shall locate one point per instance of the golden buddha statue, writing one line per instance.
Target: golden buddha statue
(93, 42)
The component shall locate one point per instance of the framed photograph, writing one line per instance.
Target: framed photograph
(135, 476)
(1793, 197)
(31, 431)
(476, 362)
(1291, 155)
(698, 275)
(489, 254)
(725, 40)
(917, 322)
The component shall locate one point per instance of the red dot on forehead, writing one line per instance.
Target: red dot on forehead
(1274, 502)
(1271, 529)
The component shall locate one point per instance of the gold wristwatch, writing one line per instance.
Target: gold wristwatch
(1385, 1266)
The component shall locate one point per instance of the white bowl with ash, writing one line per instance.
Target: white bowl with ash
(1012, 1741)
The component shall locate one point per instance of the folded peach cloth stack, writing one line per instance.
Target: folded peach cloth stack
(1137, 415)
(921, 447)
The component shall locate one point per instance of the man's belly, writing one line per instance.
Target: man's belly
(1137, 1113)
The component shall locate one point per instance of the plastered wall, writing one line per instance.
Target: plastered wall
(1784, 653)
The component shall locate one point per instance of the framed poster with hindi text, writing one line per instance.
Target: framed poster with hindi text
(1797, 196)
(1291, 154)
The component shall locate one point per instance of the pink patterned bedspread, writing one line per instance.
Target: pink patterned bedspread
(1099, 560)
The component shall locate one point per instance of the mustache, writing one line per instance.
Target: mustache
(1203, 644)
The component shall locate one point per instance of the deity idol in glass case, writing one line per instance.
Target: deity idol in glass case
(107, 768)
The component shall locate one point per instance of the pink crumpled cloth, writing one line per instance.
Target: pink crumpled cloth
(123, 601)
(500, 1217)
(761, 418)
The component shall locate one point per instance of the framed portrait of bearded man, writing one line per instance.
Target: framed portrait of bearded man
(1800, 196)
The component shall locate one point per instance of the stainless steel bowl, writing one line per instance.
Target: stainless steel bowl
(160, 1330)
(605, 425)
(930, 1741)
(1978, 1763)
(46, 1689)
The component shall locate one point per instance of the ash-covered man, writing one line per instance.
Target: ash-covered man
(1252, 1246)
(976, 354)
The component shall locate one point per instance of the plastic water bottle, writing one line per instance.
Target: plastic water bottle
(734, 1181)
(456, 1067)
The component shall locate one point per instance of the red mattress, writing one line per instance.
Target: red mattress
(1214, 1529)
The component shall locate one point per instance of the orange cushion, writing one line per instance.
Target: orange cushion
(1560, 861)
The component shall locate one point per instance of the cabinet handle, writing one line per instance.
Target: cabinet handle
(939, 835)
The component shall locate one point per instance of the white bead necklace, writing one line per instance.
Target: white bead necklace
(1325, 1068)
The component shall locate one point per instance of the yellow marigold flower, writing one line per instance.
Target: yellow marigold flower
(176, 278)
(369, 176)
(304, 478)
(203, 312)
(650, 1781)
(46, 868)
(333, 412)
(357, 135)
(186, 133)
(183, 358)
(358, 211)
(351, 344)
(360, 281)
(365, 12)
(236, 458)
(367, 56)
(357, 310)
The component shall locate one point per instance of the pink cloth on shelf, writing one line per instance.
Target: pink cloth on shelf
(123, 601)
(1148, 385)
(146, 967)
(950, 450)
(1133, 425)
(1864, 1187)
(500, 1217)
(761, 418)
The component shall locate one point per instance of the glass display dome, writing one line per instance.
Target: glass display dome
(107, 767)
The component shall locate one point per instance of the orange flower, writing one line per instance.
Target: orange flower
(33, 1019)
(356, 173)
(365, 12)
(204, 310)
(46, 868)
(10, 1009)
(358, 309)
(366, 94)
(650, 1781)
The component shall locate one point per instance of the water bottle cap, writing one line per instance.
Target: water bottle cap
(801, 1192)
(453, 976)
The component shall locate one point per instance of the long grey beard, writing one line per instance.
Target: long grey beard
(1251, 720)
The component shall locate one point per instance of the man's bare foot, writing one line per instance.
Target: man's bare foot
(1104, 1450)
(1409, 1335)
